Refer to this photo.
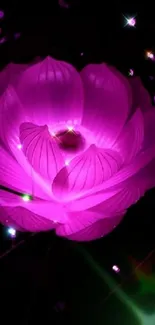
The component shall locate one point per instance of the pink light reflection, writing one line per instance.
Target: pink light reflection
(116, 268)
(19, 146)
(131, 22)
(150, 55)
(131, 72)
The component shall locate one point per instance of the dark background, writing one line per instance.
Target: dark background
(50, 280)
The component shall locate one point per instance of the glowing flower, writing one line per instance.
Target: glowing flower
(77, 150)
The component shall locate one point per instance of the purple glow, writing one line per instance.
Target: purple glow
(63, 4)
(17, 35)
(67, 144)
(2, 40)
(116, 268)
(1, 14)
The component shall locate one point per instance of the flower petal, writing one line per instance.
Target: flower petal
(85, 228)
(9, 131)
(78, 221)
(131, 138)
(8, 196)
(132, 190)
(11, 116)
(140, 173)
(86, 171)
(141, 97)
(10, 74)
(13, 177)
(24, 220)
(41, 149)
(125, 197)
(6, 220)
(52, 92)
(50, 210)
(107, 102)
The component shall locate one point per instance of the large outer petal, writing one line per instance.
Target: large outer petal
(107, 102)
(132, 191)
(52, 92)
(131, 138)
(41, 150)
(141, 97)
(11, 74)
(13, 176)
(12, 115)
(6, 220)
(84, 226)
(24, 220)
(131, 182)
(50, 210)
(85, 172)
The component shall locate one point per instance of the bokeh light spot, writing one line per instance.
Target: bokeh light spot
(12, 232)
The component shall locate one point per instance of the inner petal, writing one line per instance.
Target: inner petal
(86, 171)
(41, 150)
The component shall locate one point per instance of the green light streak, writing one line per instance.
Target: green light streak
(144, 319)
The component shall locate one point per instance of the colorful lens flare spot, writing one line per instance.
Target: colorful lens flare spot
(131, 72)
(150, 55)
(116, 268)
(12, 232)
(19, 146)
(131, 22)
(70, 128)
(26, 197)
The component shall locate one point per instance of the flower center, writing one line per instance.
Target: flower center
(70, 140)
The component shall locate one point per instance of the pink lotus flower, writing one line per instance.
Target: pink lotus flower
(81, 145)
